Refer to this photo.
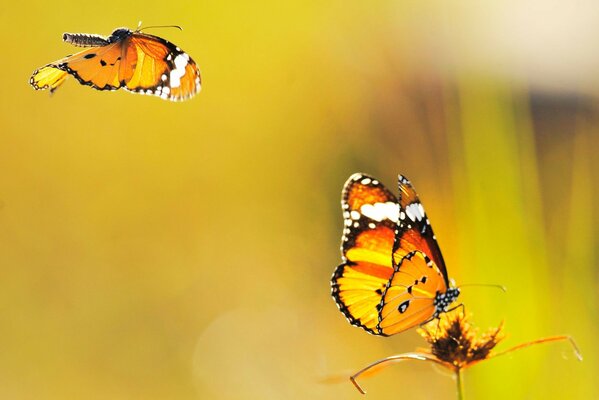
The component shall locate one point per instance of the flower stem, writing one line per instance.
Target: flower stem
(544, 340)
(459, 377)
(401, 357)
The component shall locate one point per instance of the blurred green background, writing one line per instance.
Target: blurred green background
(157, 250)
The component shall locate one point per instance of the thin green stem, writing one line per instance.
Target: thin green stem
(459, 377)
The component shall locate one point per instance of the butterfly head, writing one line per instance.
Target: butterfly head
(119, 34)
(443, 300)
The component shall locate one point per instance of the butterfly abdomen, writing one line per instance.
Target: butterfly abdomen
(84, 39)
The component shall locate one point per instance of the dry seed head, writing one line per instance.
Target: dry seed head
(454, 341)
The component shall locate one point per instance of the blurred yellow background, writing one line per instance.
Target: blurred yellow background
(157, 250)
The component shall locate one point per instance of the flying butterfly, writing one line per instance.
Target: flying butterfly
(132, 60)
(393, 276)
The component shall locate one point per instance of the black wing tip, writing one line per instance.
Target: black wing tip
(355, 178)
(403, 180)
(358, 178)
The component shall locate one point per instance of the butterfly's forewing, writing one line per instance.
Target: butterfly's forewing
(414, 229)
(370, 216)
(161, 69)
(408, 299)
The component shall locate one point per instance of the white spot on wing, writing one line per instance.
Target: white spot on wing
(421, 210)
(179, 70)
(415, 211)
(381, 211)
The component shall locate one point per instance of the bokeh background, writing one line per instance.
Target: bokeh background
(157, 250)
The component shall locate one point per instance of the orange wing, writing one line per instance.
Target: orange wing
(138, 62)
(409, 298)
(160, 68)
(370, 212)
(97, 67)
(415, 231)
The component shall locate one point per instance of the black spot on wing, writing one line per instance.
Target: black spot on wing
(403, 306)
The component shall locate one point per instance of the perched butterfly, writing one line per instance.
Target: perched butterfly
(393, 276)
(132, 60)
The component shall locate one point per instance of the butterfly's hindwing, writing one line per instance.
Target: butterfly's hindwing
(409, 297)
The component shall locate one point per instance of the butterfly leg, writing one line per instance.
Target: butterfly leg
(431, 319)
(461, 305)
(438, 317)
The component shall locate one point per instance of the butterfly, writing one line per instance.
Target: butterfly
(132, 60)
(393, 276)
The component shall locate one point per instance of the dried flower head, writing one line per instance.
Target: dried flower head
(453, 340)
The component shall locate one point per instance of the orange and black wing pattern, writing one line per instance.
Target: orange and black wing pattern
(157, 67)
(95, 67)
(409, 298)
(135, 61)
(414, 229)
(370, 218)
(390, 279)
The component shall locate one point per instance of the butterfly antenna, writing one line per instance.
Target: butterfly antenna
(139, 28)
(501, 287)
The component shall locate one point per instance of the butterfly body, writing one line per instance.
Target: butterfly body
(132, 60)
(393, 276)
